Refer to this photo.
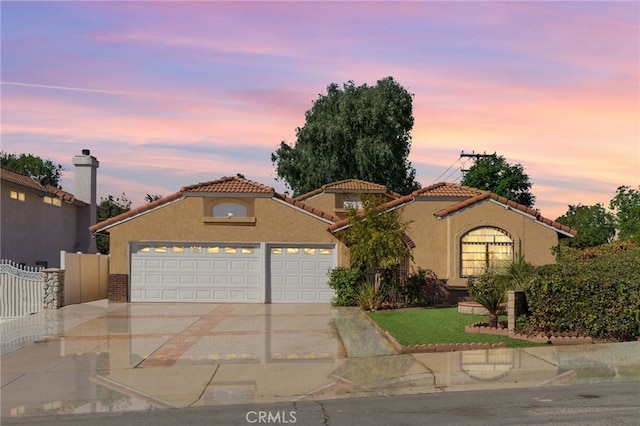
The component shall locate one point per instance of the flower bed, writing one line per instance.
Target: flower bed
(483, 328)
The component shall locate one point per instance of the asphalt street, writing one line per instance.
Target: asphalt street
(594, 404)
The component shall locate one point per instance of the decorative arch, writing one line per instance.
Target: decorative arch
(484, 248)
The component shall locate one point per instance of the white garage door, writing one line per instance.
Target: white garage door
(299, 274)
(176, 272)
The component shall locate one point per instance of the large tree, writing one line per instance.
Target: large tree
(594, 224)
(626, 205)
(493, 173)
(45, 171)
(357, 132)
(109, 207)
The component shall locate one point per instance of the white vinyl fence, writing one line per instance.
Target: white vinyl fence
(21, 289)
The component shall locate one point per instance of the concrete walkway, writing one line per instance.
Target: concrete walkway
(99, 357)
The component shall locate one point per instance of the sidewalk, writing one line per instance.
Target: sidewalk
(99, 357)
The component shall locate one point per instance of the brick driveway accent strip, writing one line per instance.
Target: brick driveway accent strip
(174, 349)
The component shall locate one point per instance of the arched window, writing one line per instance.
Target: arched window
(229, 210)
(484, 249)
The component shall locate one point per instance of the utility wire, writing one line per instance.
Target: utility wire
(443, 173)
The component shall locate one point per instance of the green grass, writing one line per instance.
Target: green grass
(439, 325)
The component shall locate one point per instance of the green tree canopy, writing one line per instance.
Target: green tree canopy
(626, 204)
(493, 173)
(357, 132)
(45, 171)
(376, 238)
(110, 207)
(594, 224)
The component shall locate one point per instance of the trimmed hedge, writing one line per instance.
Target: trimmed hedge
(594, 292)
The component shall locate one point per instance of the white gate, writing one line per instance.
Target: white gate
(21, 289)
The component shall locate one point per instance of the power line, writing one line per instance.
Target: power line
(472, 155)
(443, 173)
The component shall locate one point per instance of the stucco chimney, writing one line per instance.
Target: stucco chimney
(85, 179)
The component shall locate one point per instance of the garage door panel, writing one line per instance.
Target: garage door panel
(169, 264)
(169, 280)
(151, 279)
(187, 279)
(152, 264)
(198, 273)
(204, 279)
(187, 264)
(204, 264)
(300, 274)
(187, 295)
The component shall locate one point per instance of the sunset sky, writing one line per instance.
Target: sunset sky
(168, 94)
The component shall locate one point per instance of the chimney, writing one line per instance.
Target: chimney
(85, 178)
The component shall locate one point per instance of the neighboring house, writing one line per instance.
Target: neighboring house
(38, 221)
(234, 240)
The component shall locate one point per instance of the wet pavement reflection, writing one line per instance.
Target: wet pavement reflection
(101, 357)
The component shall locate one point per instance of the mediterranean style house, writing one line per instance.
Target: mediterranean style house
(235, 240)
(39, 220)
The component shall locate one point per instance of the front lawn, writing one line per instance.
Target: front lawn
(438, 325)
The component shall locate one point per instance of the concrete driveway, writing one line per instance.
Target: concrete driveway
(99, 357)
(110, 357)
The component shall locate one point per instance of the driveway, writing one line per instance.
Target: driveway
(111, 357)
(100, 357)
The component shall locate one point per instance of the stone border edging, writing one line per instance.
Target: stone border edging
(538, 338)
(432, 347)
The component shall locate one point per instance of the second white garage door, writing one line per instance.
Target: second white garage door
(299, 274)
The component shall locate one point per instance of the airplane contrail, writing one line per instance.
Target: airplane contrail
(111, 92)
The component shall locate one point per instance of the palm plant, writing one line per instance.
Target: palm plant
(516, 274)
(487, 291)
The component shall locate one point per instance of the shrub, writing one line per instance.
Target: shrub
(423, 288)
(487, 291)
(345, 282)
(515, 275)
(594, 291)
(368, 297)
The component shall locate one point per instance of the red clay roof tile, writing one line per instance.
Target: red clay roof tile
(350, 185)
(225, 185)
(446, 189)
(470, 196)
(29, 182)
(233, 184)
(502, 200)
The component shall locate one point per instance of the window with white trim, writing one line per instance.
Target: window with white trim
(484, 249)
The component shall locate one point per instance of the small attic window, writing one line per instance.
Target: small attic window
(352, 203)
(229, 210)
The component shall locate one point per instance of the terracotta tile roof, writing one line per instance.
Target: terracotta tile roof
(502, 200)
(225, 185)
(350, 185)
(445, 189)
(29, 182)
(233, 184)
(470, 196)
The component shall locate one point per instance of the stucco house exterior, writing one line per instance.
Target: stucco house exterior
(235, 240)
(38, 220)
